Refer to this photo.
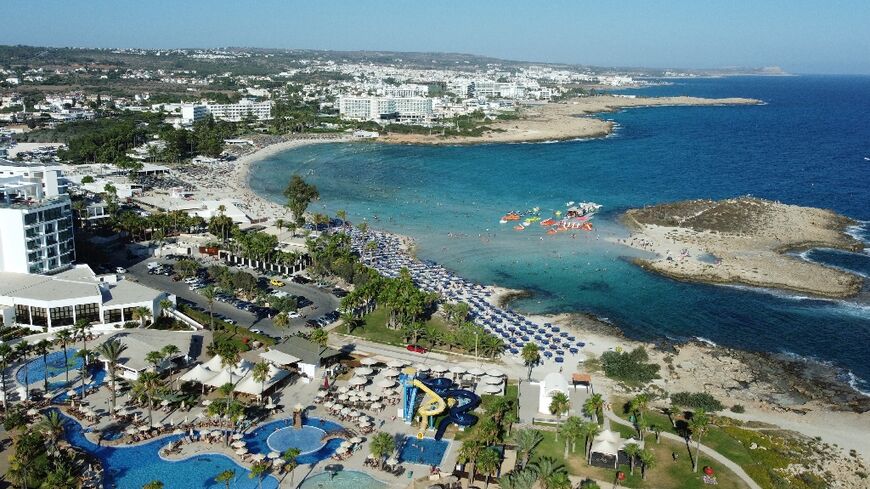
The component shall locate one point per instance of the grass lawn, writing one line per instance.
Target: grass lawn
(225, 331)
(375, 329)
(666, 473)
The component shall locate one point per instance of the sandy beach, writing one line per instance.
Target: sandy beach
(563, 121)
(744, 241)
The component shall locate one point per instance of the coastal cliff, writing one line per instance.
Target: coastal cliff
(562, 121)
(744, 241)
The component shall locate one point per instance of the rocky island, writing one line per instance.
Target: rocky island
(746, 241)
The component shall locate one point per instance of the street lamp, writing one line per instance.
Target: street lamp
(475, 345)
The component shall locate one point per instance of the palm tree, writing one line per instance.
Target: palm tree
(166, 305)
(111, 351)
(141, 314)
(698, 424)
(155, 358)
(226, 477)
(590, 430)
(6, 355)
(468, 454)
(571, 429)
(260, 373)
(526, 441)
(548, 470)
(258, 470)
(148, 385)
(209, 294)
(319, 336)
(414, 331)
(230, 356)
(631, 451)
(594, 407)
(637, 405)
(82, 329)
(281, 320)
(42, 348)
(22, 349)
(84, 354)
(349, 319)
(169, 352)
(531, 356)
(52, 426)
(60, 478)
(647, 460)
(382, 446)
(65, 337)
(155, 484)
(489, 461)
(290, 462)
(559, 404)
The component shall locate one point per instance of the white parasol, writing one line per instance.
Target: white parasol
(391, 372)
(477, 371)
(395, 363)
(492, 380)
(364, 371)
(358, 381)
(386, 383)
(439, 369)
(368, 361)
(457, 369)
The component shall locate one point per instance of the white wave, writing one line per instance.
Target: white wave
(845, 375)
(706, 341)
(860, 232)
(854, 382)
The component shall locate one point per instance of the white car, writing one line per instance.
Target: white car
(294, 314)
(120, 270)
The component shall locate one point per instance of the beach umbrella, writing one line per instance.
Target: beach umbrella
(492, 380)
(495, 373)
(343, 397)
(164, 402)
(338, 406)
(320, 394)
(385, 383)
(273, 455)
(368, 361)
(131, 430)
(422, 367)
(353, 413)
(270, 405)
(491, 389)
(375, 397)
(358, 381)
(457, 369)
(376, 406)
(390, 372)
(178, 431)
(238, 436)
(365, 423)
(241, 451)
(392, 461)
(345, 411)
(346, 444)
(362, 415)
(258, 457)
(343, 389)
(328, 404)
(238, 444)
(206, 402)
(477, 371)
(364, 371)
(144, 428)
(439, 369)
(32, 412)
(279, 461)
(395, 363)
(71, 393)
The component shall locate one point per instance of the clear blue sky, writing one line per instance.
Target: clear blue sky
(802, 36)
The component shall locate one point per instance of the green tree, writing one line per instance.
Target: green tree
(647, 461)
(382, 446)
(260, 373)
(632, 450)
(299, 194)
(148, 385)
(166, 306)
(559, 404)
(111, 351)
(169, 351)
(526, 440)
(319, 336)
(549, 473)
(22, 350)
(258, 471)
(155, 484)
(594, 407)
(226, 477)
(6, 355)
(531, 356)
(699, 424)
(65, 337)
(209, 293)
(42, 347)
(290, 462)
(141, 314)
(488, 462)
(468, 454)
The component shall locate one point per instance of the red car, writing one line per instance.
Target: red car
(416, 349)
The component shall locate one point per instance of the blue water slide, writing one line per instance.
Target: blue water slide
(460, 412)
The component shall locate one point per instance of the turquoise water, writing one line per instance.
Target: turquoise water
(280, 435)
(37, 371)
(806, 146)
(306, 439)
(133, 467)
(345, 479)
(427, 451)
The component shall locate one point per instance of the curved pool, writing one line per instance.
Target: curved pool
(281, 435)
(345, 479)
(134, 466)
(54, 366)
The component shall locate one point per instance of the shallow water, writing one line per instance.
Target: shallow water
(806, 146)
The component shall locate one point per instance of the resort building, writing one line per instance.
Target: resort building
(405, 110)
(52, 302)
(35, 219)
(191, 113)
(408, 90)
(310, 356)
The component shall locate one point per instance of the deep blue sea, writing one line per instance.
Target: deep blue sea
(806, 146)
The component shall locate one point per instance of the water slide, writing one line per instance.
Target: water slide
(432, 405)
(459, 406)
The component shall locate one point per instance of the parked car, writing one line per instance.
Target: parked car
(276, 283)
(415, 348)
(294, 314)
(299, 279)
(312, 324)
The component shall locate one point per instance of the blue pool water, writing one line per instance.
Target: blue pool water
(346, 479)
(427, 451)
(37, 371)
(280, 435)
(806, 146)
(133, 467)
(97, 377)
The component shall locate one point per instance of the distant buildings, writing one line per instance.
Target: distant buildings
(191, 113)
(409, 110)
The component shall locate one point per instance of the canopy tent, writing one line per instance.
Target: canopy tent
(248, 385)
(199, 374)
(222, 377)
(278, 357)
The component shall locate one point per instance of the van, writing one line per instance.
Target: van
(152, 265)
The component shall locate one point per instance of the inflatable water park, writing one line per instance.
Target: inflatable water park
(425, 399)
(576, 216)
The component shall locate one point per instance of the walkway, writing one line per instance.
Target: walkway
(609, 414)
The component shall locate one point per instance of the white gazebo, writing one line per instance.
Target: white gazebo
(552, 383)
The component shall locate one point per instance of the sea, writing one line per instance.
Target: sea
(808, 144)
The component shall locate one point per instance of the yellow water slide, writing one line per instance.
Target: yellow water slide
(432, 405)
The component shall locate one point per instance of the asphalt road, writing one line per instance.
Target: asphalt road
(322, 301)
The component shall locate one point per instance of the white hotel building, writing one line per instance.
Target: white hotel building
(406, 110)
(39, 285)
(191, 113)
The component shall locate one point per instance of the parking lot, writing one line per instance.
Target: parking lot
(322, 300)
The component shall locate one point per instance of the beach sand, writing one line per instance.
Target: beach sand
(562, 121)
(743, 241)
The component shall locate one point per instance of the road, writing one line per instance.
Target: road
(322, 301)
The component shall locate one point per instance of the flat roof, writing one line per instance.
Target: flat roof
(126, 292)
(139, 346)
(46, 288)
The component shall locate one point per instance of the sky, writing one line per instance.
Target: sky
(801, 36)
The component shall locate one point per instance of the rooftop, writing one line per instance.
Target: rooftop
(306, 351)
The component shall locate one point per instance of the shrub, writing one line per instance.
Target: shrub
(697, 400)
(589, 484)
(738, 408)
(630, 367)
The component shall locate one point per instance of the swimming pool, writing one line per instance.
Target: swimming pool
(345, 479)
(133, 467)
(37, 372)
(97, 375)
(280, 435)
(427, 451)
